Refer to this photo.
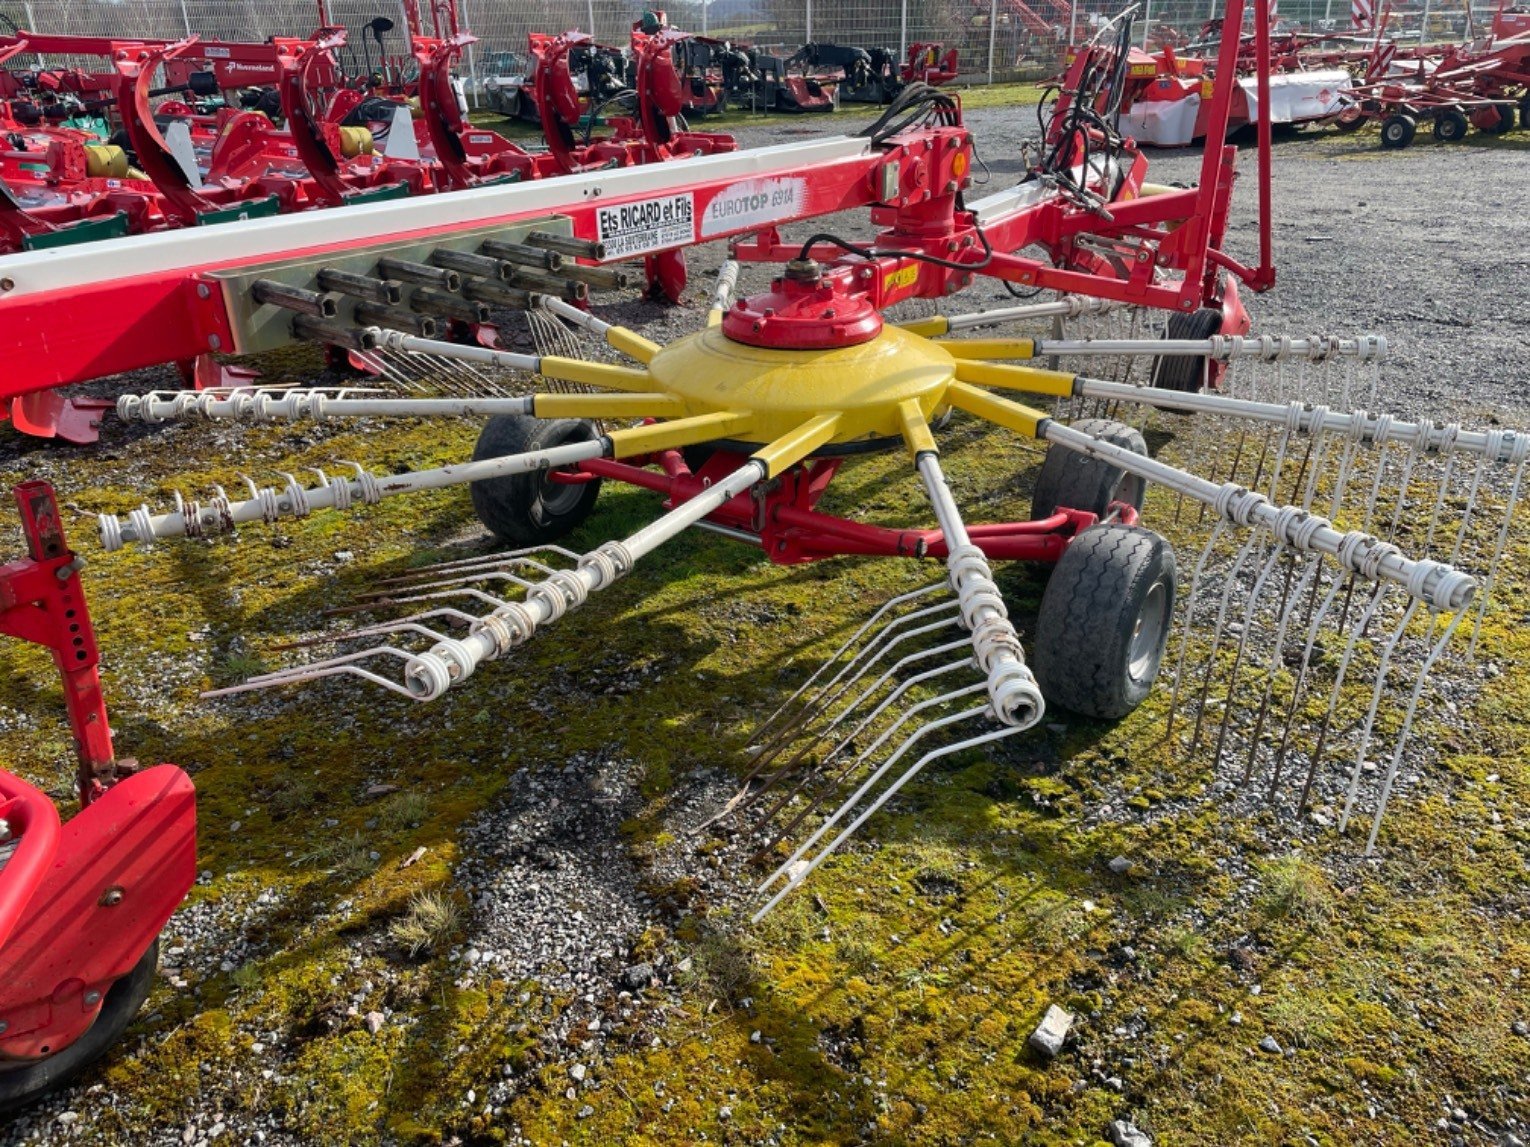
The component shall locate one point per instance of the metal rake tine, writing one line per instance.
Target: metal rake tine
(798, 876)
(870, 655)
(1229, 583)
(1407, 725)
(408, 625)
(1276, 553)
(1347, 585)
(1184, 645)
(488, 599)
(789, 767)
(1467, 510)
(1338, 682)
(866, 785)
(460, 579)
(1511, 503)
(851, 640)
(780, 743)
(888, 674)
(476, 560)
(1288, 605)
(1444, 488)
(343, 665)
(1370, 717)
(848, 769)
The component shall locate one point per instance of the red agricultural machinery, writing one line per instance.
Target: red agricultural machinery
(742, 426)
(82, 903)
(1484, 83)
(338, 145)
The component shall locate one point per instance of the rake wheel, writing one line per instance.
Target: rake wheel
(1186, 372)
(1397, 131)
(1350, 119)
(25, 1083)
(1078, 482)
(530, 509)
(1104, 621)
(1450, 127)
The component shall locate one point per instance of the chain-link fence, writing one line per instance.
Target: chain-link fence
(995, 40)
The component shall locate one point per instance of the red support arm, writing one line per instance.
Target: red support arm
(41, 601)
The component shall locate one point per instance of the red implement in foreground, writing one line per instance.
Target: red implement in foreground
(81, 904)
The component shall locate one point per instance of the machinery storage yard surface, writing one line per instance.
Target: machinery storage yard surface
(490, 920)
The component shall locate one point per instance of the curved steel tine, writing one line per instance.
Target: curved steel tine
(820, 702)
(800, 874)
(1370, 717)
(893, 697)
(888, 674)
(748, 796)
(866, 786)
(478, 560)
(408, 625)
(823, 667)
(329, 667)
(782, 740)
(849, 768)
(461, 579)
(408, 599)
(1228, 585)
(1407, 725)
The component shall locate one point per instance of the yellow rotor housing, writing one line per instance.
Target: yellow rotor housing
(867, 385)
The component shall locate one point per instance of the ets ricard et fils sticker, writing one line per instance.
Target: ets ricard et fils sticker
(647, 225)
(753, 203)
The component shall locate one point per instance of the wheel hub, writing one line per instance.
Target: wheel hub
(802, 348)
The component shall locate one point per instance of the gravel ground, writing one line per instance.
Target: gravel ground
(1426, 246)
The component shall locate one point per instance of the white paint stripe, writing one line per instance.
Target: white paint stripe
(34, 272)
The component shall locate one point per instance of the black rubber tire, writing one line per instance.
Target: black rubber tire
(1185, 371)
(1450, 127)
(1524, 113)
(527, 509)
(1397, 131)
(24, 1085)
(1104, 621)
(1079, 482)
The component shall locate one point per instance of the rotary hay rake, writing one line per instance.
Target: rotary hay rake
(1326, 548)
(1292, 516)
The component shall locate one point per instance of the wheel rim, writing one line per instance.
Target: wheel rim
(1147, 634)
(560, 497)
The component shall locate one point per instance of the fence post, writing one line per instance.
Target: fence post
(1423, 27)
(809, 36)
(903, 33)
(185, 18)
(993, 29)
(1147, 22)
(1073, 23)
(474, 91)
(592, 19)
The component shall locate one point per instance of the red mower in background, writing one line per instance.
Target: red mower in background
(928, 64)
(82, 903)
